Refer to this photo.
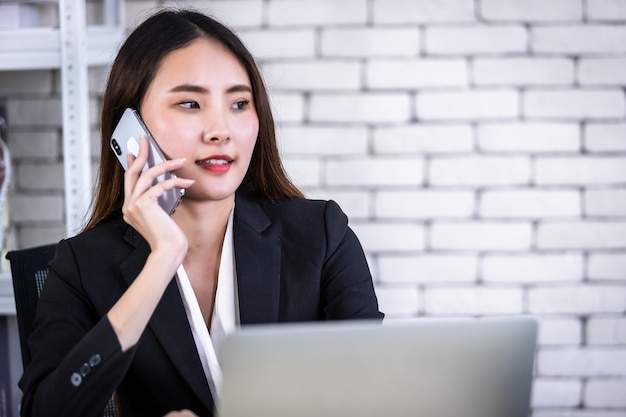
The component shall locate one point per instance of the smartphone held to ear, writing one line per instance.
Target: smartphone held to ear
(125, 140)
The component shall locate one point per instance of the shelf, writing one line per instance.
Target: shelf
(40, 48)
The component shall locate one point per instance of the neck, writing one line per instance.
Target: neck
(204, 223)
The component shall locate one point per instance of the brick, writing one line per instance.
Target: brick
(530, 203)
(427, 268)
(28, 208)
(314, 75)
(235, 14)
(424, 204)
(95, 139)
(576, 413)
(287, 107)
(550, 392)
(412, 74)
(559, 331)
(588, 39)
(360, 108)
(532, 137)
(316, 12)
(479, 170)
(25, 82)
(356, 204)
(370, 42)
(35, 235)
(605, 202)
(574, 104)
(383, 236)
(375, 171)
(272, 44)
(470, 40)
(605, 137)
(97, 78)
(30, 113)
(606, 10)
(581, 234)
(602, 71)
(467, 105)
(40, 176)
(577, 299)
(423, 138)
(40, 145)
(472, 301)
(303, 172)
(606, 331)
(607, 266)
(398, 301)
(529, 268)
(532, 10)
(589, 362)
(605, 393)
(323, 140)
(409, 11)
(480, 236)
(522, 71)
(136, 12)
(580, 170)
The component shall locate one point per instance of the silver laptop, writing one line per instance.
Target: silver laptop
(423, 367)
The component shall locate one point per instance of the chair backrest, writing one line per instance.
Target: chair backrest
(29, 270)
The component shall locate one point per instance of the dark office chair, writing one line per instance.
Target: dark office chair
(29, 270)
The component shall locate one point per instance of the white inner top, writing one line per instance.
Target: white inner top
(225, 317)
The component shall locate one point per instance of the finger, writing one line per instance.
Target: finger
(136, 163)
(146, 179)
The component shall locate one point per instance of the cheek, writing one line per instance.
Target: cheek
(250, 132)
(168, 136)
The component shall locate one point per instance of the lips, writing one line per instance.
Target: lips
(215, 160)
(218, 164)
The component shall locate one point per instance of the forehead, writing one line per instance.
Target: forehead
(204, 60)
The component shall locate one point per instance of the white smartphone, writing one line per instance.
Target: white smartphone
(125, 140)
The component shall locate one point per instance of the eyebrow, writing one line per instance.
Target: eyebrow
(192, 88)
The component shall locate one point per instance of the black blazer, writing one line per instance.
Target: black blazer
(296, 260)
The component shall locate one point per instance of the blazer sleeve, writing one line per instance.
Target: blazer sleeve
(77, 360)
(347, 289)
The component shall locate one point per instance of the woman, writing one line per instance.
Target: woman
(128, 302)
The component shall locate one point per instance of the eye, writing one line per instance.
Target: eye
(240, 105)
(189, 104)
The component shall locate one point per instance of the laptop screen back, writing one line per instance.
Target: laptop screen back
(423, 367)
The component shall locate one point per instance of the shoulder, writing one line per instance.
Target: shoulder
(297, 212)
(298, 221)
(108, 237)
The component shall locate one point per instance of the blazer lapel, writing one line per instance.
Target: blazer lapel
(169, 323)
(257, 258)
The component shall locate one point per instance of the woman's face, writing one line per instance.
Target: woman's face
(200, 107)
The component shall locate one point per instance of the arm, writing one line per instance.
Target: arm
(347, 288)
(80, 355)
(70, 333)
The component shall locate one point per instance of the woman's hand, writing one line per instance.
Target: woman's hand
(168, 244)
(181, 413)
(141, 208)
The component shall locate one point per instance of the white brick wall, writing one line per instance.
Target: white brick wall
(551, 392)
(535, 137)
(532, 10)
(468, 105)
(478, 147)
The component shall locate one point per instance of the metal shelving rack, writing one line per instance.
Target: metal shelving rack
(72, 48)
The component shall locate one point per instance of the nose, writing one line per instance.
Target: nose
(216, 128)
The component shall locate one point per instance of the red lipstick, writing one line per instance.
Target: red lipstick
(217, 164)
